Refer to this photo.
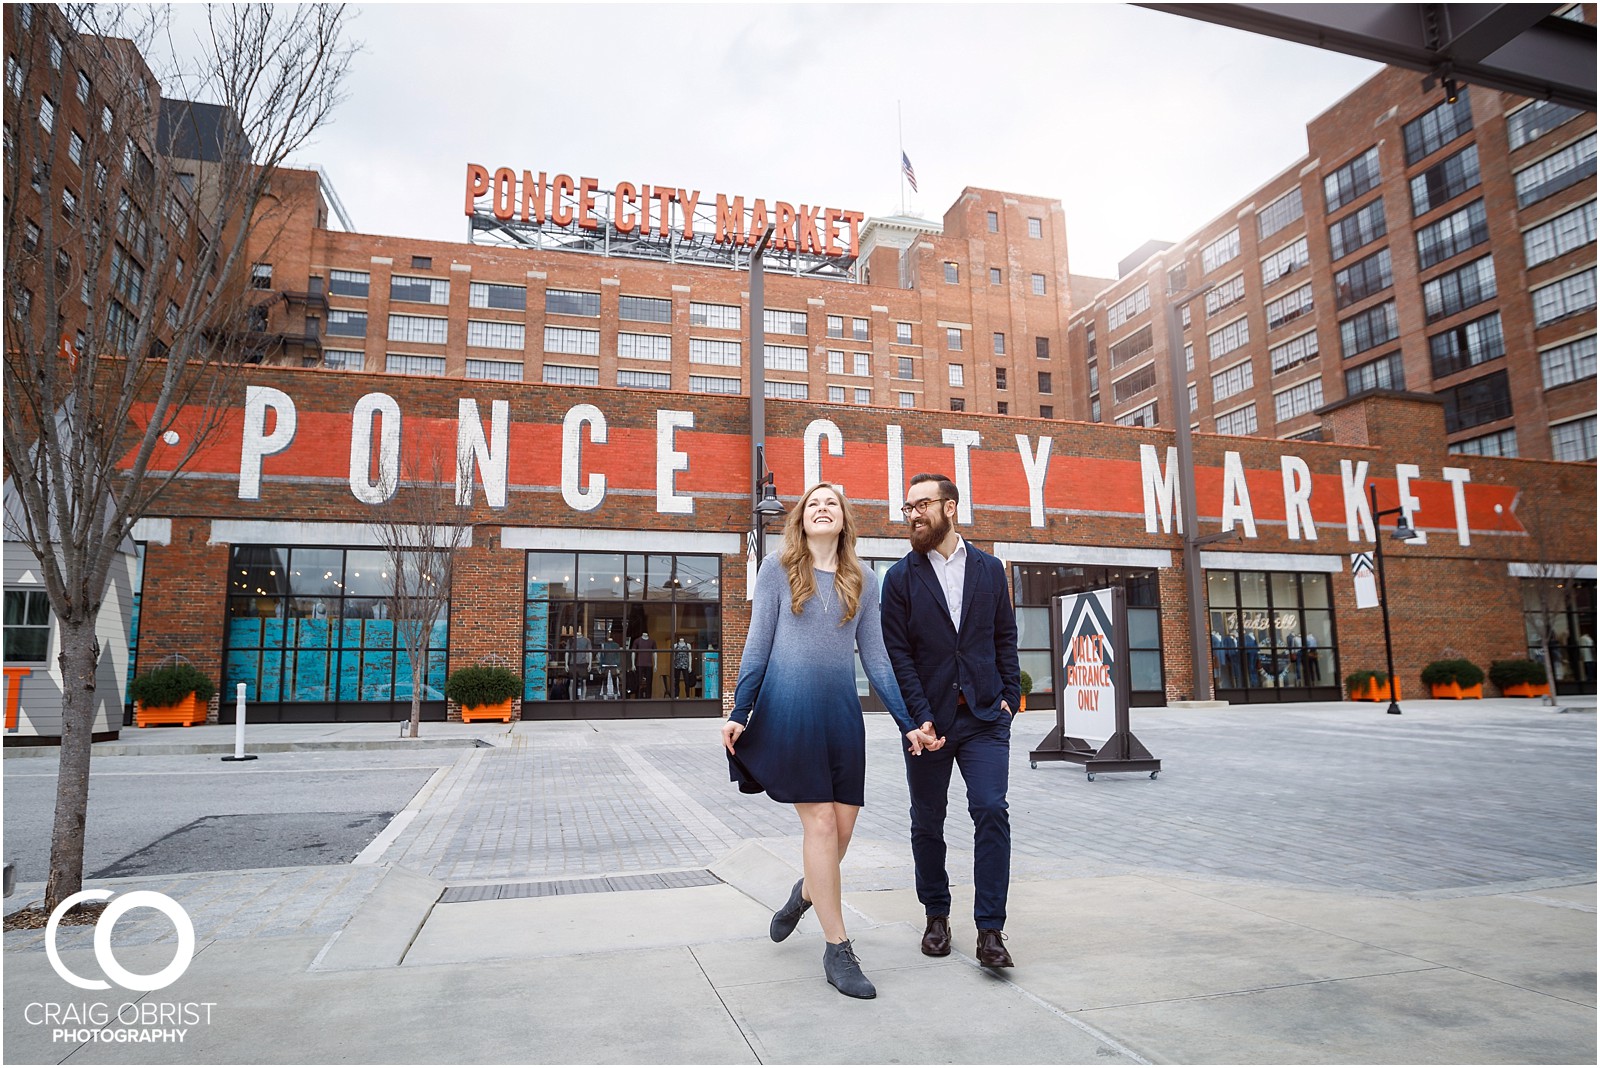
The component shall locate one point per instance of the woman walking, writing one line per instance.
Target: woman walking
(796, 729)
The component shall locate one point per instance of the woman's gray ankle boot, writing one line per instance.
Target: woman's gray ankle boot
(785, 919)
(843, 969)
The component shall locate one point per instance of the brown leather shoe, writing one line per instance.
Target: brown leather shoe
(992, 949)
(936, 939)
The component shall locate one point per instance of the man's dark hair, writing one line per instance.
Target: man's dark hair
(947, 489)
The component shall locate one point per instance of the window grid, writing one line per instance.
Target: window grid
(836, 326)
(787, 390)
(1131, 385)
(348, 283)
(779, 321)
(715, 316)
(1384, 373)
(1363, 278)
(418, 329)
(835, 394)
(1035, 227)
(1286, 260)
(482, 333)
(999, 344)
(952, 338)
(957, 374)
(494, 370)
(1229, 338)
(1437, 127)
(1220, 251)
(1567, 231)
(1445, 181)
(346, 323)
(1452, 235)
(1295, 351)
(570, 302)
(1466, 286)
(1233, 381)
(1297, 400)
(1567, 296)
(712, 351)
(863, 396)
(784, 358)
(1573, 440)
(1133, 346)
(902, 333)
(1352, 180)
(1357, 230)
(1572, 361)
(343, 360)
(559, 374)
(1134, 303)
(492, 295)
(1500, 443)
(572, 340)
(645, 309)
(405, 364)
(1529, 123)
(644, 379)
(1289, 307)
(1559, 170)
(1238, 422)
(1280, 213)
(1482, 400)
(713, 384)
(1225, 295)
(1144, 415)
(420, 290)
(835, 362)
(644, 347)
(1038, 283)
(1368, 329)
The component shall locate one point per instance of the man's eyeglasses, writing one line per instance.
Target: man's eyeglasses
(919, 507)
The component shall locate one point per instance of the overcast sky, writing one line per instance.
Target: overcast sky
(1144, 125)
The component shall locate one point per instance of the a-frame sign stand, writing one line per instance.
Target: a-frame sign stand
(1122, 751)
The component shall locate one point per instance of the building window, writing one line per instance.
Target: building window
(958, 374)
(493, 295)
(1225, 295)
(1188, 356)
(47, 114)
(1232, 382)
(1357, 230)
(1559, 170)
(1289, 259)
(994, 276)
(261, 276)
(1466, 286)
(27, 627)
(75, 148)
(1280, 213)
(836, 394)
(421, 329)
(1239, 422)
(1559, 619)
(1533, 121)
(1045, 382)
(1089, 342)
(778, 321)
(105, 119)
(347, 323)
(422, 263)
(1035, 228)
(902, 333)
(69, 203)
(348, 283)
(1363, 278)
(314, 626)
(1145, 416)
(644, 347)
(999, 344)
(1297, 400)
(999, 378)
(496, 335)
(1094, 409)
(1572, 361)
(572, 341)
(1500, 443)
(420, 290)
(30, 236)
(556, 374)
(55, 52)
(1230, 337)
(836, 326)
(1194, 401)
(1352, 180)
(1037, 585)
(1047, 411)
(1568, 296)
(1368, 329)
(569, 302)
(1131, 385)
(863, 364)
(644, 379)
(494, 370)
(1437, 127)
(994, 221)
(1567, 231)
(1002, 408)
(1447, 179)
(715, 316)
(907, 367)
(784, 358)
(1482, 400)
(952, 338)
(713, 384)
(1037, 282)
(1129, 306)
(1384, 373)
(343, 360)
(720, 353)
(907, 400)
(1041, 348)
(1573, 440)
(958, 404)
(1452, 235)
(835, 362)
(1295, 351)
(13, 76)
(1133, 346)
(1219, 251)
(1272, 631)
(401, 364)
(863, 396)
(952, 273)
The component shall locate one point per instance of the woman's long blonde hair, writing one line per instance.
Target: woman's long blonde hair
(796, 556)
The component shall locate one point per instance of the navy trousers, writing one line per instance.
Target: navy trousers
(982, 750)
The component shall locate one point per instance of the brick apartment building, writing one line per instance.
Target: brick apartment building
(599, 379)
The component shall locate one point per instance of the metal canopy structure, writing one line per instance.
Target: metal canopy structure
(1524, 49)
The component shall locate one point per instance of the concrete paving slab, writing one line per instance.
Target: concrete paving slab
(383, 928)
(757, 959)
(576, 924)
(1438, 1016)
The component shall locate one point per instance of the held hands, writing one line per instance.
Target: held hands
(730, 734)
(923, 738)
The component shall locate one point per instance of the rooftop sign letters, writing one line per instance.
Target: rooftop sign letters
(644, 210)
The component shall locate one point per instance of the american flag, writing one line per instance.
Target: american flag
(911, 175)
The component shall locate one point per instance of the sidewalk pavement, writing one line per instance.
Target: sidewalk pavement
(1303, 884)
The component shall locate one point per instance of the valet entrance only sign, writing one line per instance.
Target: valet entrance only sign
(1090, 648)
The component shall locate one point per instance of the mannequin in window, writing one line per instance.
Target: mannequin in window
(581, 659)
(610, 657)
(644, 663)
(682, 668)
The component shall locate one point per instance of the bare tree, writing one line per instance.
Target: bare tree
(420, 526)
(1552, 584)
(130, 217)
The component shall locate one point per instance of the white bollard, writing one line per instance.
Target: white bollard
(238, 726)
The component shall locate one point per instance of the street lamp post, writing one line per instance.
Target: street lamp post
(1402, 532)
(767, 503)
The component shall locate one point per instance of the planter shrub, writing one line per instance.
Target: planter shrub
(1463, 673)
(1357, 682)
(1504, 673)
(483, 684)
(167, 686)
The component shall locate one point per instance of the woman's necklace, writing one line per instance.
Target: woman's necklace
(824, 597)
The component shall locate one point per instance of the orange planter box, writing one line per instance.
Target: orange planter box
(1526, 689)
(185, 713)
(501, 712)
(1456, 691)
(1376, 692)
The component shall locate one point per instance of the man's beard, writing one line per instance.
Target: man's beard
(924, 539)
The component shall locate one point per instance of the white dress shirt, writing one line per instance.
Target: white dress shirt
(952, 572)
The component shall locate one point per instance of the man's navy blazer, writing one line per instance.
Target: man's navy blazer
(935, 664)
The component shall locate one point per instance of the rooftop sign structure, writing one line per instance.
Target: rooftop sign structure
(657, 222)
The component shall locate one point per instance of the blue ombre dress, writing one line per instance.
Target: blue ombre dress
(805, 740)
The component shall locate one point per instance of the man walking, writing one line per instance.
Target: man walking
(951, 634)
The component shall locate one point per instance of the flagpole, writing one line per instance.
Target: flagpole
(900, 132)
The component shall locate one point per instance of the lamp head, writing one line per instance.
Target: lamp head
(1403, 531)
(769, 504)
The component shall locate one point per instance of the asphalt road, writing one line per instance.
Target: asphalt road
(166, 815)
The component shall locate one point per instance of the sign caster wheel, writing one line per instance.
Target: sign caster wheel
(1033, 764)
(1091, 776)
(1153, 774)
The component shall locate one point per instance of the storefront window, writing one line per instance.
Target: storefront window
(1559, 615)
(1035, 585)
(614, 626)
(314, 626)
(1271, 631)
